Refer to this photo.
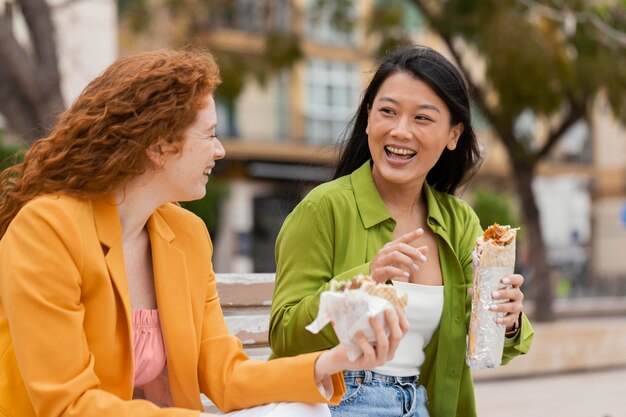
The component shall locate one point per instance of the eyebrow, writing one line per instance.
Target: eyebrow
(419, 106)
(212, 126)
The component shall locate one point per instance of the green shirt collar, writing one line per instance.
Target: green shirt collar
(370, 204)
(434, 210)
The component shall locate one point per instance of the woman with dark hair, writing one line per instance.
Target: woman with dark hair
(108, 303)
(390, 212)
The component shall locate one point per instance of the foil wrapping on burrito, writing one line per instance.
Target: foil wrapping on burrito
(493, 259)
(348, 305)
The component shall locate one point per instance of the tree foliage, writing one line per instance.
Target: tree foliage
(281, 45)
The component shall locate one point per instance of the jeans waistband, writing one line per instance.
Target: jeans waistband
(369, 376)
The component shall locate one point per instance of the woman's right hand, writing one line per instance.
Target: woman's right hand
(398, 259)
(374, 354)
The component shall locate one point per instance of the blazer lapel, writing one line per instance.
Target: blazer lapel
(109, 232)
(171, 283)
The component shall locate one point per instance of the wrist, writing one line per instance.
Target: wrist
(321, 367)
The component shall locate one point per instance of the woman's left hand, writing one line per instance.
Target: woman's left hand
(512, 306)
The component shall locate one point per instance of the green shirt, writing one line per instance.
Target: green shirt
(334, 233)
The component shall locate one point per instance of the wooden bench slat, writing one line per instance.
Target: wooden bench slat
(251, 329)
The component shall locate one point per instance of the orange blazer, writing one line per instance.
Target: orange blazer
(65, 319)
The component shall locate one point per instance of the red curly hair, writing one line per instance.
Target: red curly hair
(100, 142)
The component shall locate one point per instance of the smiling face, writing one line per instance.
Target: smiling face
(186, 173)
(408, 128)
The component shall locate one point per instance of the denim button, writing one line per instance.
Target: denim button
(359, 381)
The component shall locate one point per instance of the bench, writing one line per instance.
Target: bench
(246, 301)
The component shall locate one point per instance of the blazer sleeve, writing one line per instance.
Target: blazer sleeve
(233, 381)
(41, 259)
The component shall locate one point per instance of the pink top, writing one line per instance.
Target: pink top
(147, 345)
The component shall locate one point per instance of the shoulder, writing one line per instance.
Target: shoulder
(179, 217)
(54, 208)
(182, 221)
(330, 193)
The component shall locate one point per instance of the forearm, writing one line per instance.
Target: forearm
(293, 309)
(287, 333)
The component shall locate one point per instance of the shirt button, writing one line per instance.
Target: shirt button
(457, 318)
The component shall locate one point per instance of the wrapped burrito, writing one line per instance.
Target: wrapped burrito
(493, 259)
(348, 305)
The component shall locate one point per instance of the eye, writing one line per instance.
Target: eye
(422, 118)
(387, 111)
(203, 135)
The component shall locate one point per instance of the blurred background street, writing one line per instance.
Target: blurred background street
(582, 394)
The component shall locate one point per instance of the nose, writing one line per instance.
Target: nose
(402, 128)
(220, 152)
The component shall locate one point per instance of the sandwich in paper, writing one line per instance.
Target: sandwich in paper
(349, 306)
(493, 259)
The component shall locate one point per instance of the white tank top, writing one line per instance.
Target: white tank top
(423, 311)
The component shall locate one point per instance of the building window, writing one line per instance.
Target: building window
(332, 93)
(321, 28)
(253, 15)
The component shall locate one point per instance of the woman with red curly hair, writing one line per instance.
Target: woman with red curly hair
(108, 303)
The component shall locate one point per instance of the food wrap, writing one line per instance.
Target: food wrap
(492, 259)
(349, 308)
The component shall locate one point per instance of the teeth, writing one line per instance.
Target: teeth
(399, 151)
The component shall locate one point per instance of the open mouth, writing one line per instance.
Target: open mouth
(403, 154)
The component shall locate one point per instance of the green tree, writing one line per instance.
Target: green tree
(493, 207)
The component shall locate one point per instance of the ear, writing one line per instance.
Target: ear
(158, 151)
(455, 134)
(367, 127)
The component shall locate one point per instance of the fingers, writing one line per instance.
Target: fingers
(513, 300)
(515, 280)
(398, 326)
(411, 236)
(384, 347)
(398, 259)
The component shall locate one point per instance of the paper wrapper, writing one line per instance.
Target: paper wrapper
(350, 311)
(491, 263)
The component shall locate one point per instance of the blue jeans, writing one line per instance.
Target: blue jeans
(371, 394)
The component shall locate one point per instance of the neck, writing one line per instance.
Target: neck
(401, 198)
(136, 202)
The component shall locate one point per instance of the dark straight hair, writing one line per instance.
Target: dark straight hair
(453, 167)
